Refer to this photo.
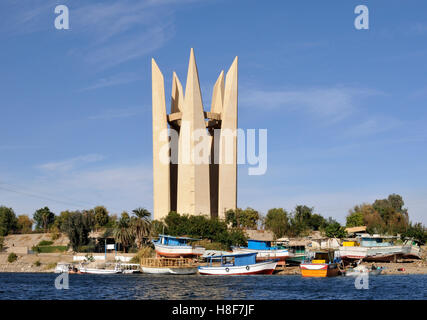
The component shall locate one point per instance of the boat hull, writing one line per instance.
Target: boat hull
(178, 251)
(263, 255)
(319, 270)
(160, 270)
(266, 267)
(98, 271)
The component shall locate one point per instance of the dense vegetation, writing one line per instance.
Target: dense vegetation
(201, 227)
(133, 231)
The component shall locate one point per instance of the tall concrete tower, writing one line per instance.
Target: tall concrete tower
(195, 151)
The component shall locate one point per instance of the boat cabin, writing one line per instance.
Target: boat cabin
(376, 241)
(174, 241)
(323, 257)
(234, 260)
(260, 245)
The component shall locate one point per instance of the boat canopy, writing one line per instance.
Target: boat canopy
(259, 244)
(238, 259)
(174, 241)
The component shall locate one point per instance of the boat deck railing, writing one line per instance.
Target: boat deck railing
(168, 262)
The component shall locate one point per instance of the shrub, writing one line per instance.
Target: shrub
(50, 266)
(1, 243)
(12, 257)
(144, 252)
(55, 235)
(37, 263)
(45, 243)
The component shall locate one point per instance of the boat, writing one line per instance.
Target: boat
(264, 250)
(63, 267)
(323, 264)
(85, 270)
(130, 268)
(373, 248)
(363, 270)
(176, 266)
(177, 247)
(237, 264)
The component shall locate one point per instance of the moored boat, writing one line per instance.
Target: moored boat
(374, 248)
(322, 265)
(237, 264)
(85, 270)
(176, 247)
(264, 250)
(177, 266)
(130, 268)
(363, 270)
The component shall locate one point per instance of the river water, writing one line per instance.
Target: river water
(35, 286)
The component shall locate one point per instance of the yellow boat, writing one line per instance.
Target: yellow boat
(322, 266)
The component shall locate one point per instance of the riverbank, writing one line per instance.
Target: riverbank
(46, 262)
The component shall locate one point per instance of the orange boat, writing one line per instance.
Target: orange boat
(322, 265)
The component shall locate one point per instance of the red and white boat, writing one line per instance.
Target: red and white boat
(238, 264)
(176, 247)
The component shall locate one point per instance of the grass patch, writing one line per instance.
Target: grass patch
(45, 243)
(49, 249)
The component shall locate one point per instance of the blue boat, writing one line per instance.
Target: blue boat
(237, 264)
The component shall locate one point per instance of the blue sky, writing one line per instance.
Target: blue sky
(345, 109)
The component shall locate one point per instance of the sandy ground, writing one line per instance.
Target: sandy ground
(406, 267)
(27, 263)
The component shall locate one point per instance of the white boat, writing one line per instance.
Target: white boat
(176, 247)
(117, 269)
(177, 266)
(62, 267)
(165, 270)
(238, 264)
(376, 248)
(363, 270)
(130, 268)
(264, 250)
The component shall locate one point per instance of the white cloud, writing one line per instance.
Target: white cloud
(373, 125)
(109, 114)
(118, 187)
(109, 32)
(70, 164)
(114, 80)
(333, 104)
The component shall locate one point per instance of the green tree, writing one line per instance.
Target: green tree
(355, 219)
(335, 230)
(101, 216)
(415, 231)
(277, 221)
(8, 221)
(316, 222)
(247, 218)
(123, 232)
(24, 224)
(141, 225)
(77, 228)
(44, 218)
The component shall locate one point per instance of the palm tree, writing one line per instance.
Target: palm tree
(123, 232)
(124, 236)
(141, 225)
